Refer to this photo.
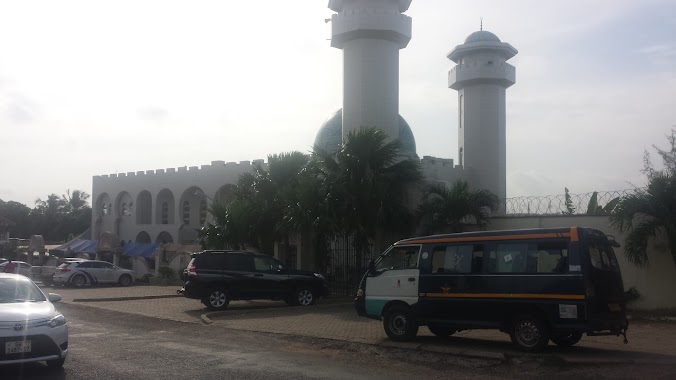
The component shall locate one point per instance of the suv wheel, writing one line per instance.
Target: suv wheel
(303, 297)
(78, 281)
(217, 299)
(125, 280)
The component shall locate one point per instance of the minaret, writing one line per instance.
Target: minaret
(481, 77)
(370, 33)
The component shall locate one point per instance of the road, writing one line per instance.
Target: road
(111, 345)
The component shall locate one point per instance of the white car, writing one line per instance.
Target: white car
(92, 272)
(31, 329)
(20, 267)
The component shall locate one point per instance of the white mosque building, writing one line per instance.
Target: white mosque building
(169, 205)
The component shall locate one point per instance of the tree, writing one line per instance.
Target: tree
(444, 207)
(366, 183)
(76, 201)
(650, 212)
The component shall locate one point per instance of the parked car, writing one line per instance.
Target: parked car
(92, 272)
(218, 277)
(35, 331)
(45, 273)
(20, 267)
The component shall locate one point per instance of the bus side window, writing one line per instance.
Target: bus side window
(457, 259)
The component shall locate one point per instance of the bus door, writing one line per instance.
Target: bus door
(606, 288)
(395, 277)
(450, 280)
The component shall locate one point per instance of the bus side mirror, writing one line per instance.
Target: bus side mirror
(371, 267)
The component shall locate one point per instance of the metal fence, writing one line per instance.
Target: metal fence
(556, 204)
(344, 268)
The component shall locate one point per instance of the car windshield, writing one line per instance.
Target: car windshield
(19, 290)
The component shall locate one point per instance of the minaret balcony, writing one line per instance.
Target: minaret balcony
(372, 23)
(481, 72)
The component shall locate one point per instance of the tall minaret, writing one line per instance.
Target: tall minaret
(481, 77)
(370, 33)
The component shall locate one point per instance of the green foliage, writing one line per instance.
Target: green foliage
(55, 218)
(593, 207)
(651, 211)
(166, 272)
(453, 207)
(570, 209)
(356, 192)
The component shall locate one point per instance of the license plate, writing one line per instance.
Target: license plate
(614, 307)
(17, 347)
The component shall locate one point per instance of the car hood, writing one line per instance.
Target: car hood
(26, 311)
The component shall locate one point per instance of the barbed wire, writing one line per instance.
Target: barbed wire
(579, 204)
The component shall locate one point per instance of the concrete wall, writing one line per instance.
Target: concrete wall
(655, 283)
(116, 198)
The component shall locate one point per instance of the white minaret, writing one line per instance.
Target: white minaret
(481, 77)
(370, 33)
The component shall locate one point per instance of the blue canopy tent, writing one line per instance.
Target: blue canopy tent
(76, 246)
(89, 247)
(139, 249)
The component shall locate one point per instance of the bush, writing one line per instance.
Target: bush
(166, 272)
(631, 294)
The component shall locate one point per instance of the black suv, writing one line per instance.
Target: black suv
(217, 277)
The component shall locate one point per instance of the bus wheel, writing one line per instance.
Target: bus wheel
(440, 331)
(400, 324)
(529, 333)
(566, 340)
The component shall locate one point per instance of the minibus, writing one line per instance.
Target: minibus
(536, 285)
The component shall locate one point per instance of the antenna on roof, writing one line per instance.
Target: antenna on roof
(481, 23)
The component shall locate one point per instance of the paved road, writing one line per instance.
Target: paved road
(111, 345)
(335, 318)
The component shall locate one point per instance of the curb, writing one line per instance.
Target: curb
(125, 298)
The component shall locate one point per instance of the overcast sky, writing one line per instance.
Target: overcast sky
(99, 87)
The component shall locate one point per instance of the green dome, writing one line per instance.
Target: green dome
(330, 135)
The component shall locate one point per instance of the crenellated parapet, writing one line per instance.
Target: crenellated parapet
(171, 173)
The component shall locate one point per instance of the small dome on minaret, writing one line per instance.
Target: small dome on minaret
(482, 36)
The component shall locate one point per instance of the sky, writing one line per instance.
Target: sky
(101, 87)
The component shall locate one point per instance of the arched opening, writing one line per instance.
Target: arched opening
(144, 208)
(225, 194)
(191, 207)
(143, 237)
(165, 207)
(103, 206)
(164, 237)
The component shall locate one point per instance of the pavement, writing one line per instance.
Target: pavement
(334, 318)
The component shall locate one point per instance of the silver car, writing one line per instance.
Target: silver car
(92, 272)
(31, 329)
(20, 267)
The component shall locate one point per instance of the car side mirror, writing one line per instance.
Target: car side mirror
(53, 297)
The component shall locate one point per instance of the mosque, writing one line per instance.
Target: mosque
(165, 206)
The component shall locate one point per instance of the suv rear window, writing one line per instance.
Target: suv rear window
(225, 261)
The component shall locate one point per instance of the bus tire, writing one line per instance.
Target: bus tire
(529, 333)
(400, 324)
(566, 340)
(440, 331)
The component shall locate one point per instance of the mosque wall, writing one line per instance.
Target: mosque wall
(161, 205)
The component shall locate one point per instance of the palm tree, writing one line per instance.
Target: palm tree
(366, 183)
(75, 201)
(647, 213)
(444, 207)
(53, 205)
(650, 211)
